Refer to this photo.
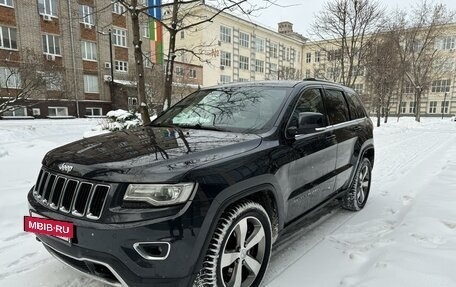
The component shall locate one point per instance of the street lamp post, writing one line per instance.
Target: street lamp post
(111, 57)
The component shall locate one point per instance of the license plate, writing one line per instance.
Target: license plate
(39, 224)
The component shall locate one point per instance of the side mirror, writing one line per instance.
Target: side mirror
(309, 121)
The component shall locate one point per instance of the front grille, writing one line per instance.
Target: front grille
(80, 198)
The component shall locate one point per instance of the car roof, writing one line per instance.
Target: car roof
(275, 83)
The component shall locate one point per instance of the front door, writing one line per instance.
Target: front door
(314, 152)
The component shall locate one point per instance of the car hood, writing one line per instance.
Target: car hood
(147, 154)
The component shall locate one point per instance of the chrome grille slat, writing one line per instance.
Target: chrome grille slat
(57, 192)
(43, 184)
(68, 195)
(81, 198)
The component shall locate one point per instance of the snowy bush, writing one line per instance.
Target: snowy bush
(121, 120)
(116, 121)
(453, 118)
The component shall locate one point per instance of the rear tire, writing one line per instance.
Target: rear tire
(240, 248)
(356, 197)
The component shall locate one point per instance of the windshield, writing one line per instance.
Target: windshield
(239, 109)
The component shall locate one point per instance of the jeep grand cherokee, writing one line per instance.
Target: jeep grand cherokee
(199, 196)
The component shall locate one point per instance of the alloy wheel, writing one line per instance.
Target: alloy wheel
(243, 253)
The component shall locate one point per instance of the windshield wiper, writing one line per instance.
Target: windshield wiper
(179, 131)
(201, 127)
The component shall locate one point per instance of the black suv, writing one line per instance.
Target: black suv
(199, 196)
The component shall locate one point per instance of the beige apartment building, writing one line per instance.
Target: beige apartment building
(232, 49)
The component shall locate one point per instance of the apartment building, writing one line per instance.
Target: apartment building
(232, 49)
(70, 39)
(319, 60)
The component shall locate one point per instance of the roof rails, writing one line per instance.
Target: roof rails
(317, 79)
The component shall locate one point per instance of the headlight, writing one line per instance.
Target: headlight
(160, 194)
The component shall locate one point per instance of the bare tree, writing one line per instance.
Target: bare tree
(183, 16)
(28, 79)
(383, 71)
(344, 29)
(288, 73)
(417, 35)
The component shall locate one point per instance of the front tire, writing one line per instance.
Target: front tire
(240, 248)
(356, 197)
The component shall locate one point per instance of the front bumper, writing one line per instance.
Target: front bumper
(106, 251)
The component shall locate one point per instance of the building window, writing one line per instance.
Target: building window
(225, 34)
(317, 56)
(244, 39)
(259, 45)
(192, 74)
(441, 86)
(89, 51)
(87, 15)
(9, 78)
(274, 50)
(119, 37)
(358, 71)
(53, 81)
(259, 66)
(48, 7)
(244, 62)
(243, 80)
(146, 61)
(307, 73)
(18, 112)
(91, 84)
(117, 7)
(8, 3)
(180, 71)
(121, 66)
(444, 108)
(447, 43)
(433, 107)
(182, 33)
(412, 107)
(57, 111)
(225, 79)
(359, 88)
(308, 57)
(273, 68)
(409, 88)
(225, 59)
(145, 31)
(288, 54)
(132, 102)
(93, 112)
(403, 107)
(8, 38)
(51, 44)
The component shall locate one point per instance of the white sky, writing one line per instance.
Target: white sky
(301, 14)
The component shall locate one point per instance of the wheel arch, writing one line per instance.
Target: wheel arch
(266, 194)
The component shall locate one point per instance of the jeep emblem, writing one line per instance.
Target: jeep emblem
(65, 167)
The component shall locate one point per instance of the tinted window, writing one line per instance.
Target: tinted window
(355, 105)
(309, 101)
(336, 107)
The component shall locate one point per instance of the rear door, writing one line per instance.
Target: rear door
(310, 174)
(345, 129)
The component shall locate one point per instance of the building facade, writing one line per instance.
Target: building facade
(86, 75)
(232, 49)
(70, 39)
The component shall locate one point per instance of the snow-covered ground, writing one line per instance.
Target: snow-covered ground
(406, 235)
